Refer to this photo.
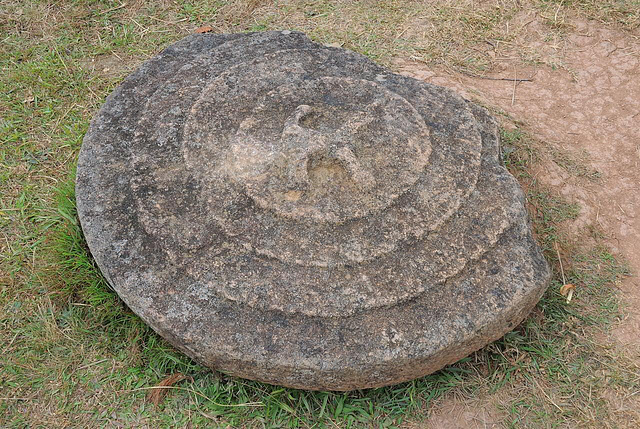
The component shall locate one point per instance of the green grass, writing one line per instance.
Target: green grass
(74, 356)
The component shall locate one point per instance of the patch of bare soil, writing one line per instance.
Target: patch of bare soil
(583, 96)
(457, 413)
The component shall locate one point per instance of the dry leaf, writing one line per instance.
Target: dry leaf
(564, 290)
(158, 392)
(567, 290)
(205, 29)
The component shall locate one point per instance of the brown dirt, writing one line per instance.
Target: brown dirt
(585, 96)
(459, 413)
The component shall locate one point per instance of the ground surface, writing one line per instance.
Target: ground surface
(590, 104)
(73, 356)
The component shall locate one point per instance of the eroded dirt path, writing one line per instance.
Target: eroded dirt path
(592, 104)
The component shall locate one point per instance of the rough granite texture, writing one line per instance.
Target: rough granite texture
(296, 214)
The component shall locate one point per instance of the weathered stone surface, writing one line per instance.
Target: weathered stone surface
(297, 214)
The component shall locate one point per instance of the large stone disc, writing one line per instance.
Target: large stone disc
(297, 214)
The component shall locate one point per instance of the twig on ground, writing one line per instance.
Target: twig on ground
(509, 79)
(564, 280)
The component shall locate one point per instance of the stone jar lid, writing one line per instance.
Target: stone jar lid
(296, 214)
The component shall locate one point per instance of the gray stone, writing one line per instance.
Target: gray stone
(296, 214)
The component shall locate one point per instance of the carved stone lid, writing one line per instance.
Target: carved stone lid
(297, 214)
